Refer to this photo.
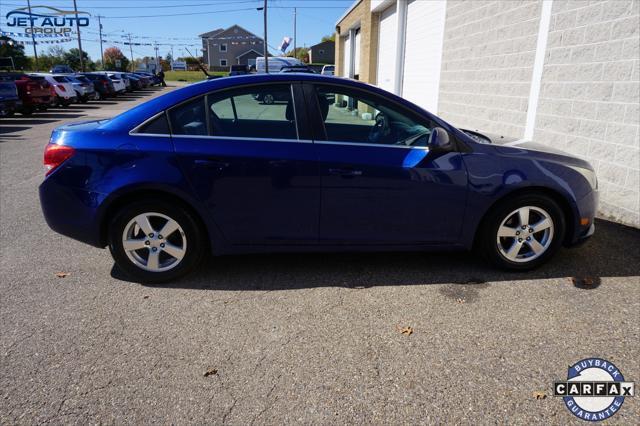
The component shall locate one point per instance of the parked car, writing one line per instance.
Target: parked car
(61, 69)
(238, 70)
(328, 70)
(86, 90)
(9, 98)
(102, 84)
(64, 92)
(33, 91)
(154, 80)
(207, 168)
(144, 79)
(119, 85)
(136, 82)
(124, 77)
(297, 68)
(276, 63)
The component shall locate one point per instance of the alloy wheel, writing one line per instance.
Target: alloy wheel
(154, 242)
(525, 234)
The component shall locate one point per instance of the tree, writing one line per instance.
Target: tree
(9, 48)
(169, 57)
(331, 37)
(111, 56)
(72, 58)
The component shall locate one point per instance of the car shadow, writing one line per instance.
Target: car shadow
(5, 130)
(614, 251)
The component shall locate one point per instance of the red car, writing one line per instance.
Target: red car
(34, 92)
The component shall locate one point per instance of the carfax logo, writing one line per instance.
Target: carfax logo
(46, 20)
(595, 389)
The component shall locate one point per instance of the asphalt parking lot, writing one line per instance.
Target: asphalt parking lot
(295, 338)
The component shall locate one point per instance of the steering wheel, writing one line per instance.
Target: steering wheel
(379, 129)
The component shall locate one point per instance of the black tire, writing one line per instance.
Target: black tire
(43, 107)
(27, 110)
(488, 241)
(268, 99)
(192, 232)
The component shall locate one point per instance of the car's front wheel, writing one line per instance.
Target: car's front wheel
(156, 241)
(523, 232)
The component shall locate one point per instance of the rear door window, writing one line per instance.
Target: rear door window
(189, 118)
(258, 112)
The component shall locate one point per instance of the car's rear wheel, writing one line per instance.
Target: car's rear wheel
(523, 232)
(156, 241)
(268, 99)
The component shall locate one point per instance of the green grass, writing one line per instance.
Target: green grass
(190, 76)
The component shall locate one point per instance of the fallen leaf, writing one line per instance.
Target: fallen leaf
(62, 274)
(407, 331)
(145, 297)
(460, 300)
(211, 372)
(539, 395)
(585, 281)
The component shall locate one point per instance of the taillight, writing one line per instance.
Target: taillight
(55, 155)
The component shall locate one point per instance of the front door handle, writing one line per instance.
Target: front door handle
(345, 172)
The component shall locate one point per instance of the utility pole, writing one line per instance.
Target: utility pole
(266, 50)
(33, 38)
(101, 52)
(295, 54)
(158, 67)
(75, 8)
(130, 50)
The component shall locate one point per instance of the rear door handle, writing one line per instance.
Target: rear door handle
(212, 163)
(345, 172)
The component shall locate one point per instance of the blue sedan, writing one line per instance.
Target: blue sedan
(300, 163)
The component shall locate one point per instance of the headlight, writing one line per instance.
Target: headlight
(589, 175)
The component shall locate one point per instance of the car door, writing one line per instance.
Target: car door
(381, 182)
(252, 163)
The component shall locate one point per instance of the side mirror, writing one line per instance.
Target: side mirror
(440, 139)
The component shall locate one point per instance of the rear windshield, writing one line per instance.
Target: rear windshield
(36, 77)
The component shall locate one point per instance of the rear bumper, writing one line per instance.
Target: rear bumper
(71, 212)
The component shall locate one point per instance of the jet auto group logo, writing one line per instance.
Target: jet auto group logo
(46, 20)
(595, 389)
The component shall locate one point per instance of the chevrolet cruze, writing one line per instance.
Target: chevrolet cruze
(330, 165)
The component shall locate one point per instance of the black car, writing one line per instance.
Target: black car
(297, 68)
(102, 84)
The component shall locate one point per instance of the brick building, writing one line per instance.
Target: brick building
(565, 73)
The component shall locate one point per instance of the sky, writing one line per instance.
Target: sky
(184, 20)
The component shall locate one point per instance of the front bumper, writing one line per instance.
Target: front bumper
(586, 210)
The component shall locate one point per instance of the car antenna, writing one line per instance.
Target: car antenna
(199, 63)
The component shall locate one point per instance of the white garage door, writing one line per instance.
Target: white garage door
(346, 57)
(423, 52)
(356, 54)
(387, 49)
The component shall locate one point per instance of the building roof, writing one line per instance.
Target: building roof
(221, 31)
(322, 43)
(348, 11)
(211, 33)
(248, 51)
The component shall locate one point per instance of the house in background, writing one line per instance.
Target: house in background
(323, 53)
(566, 74)
(222, 48)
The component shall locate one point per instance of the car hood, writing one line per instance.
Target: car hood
(511, 145)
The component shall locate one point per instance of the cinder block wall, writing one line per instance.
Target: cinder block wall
(590, 94)
(487, 63)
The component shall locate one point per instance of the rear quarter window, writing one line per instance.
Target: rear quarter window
(157, 126)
